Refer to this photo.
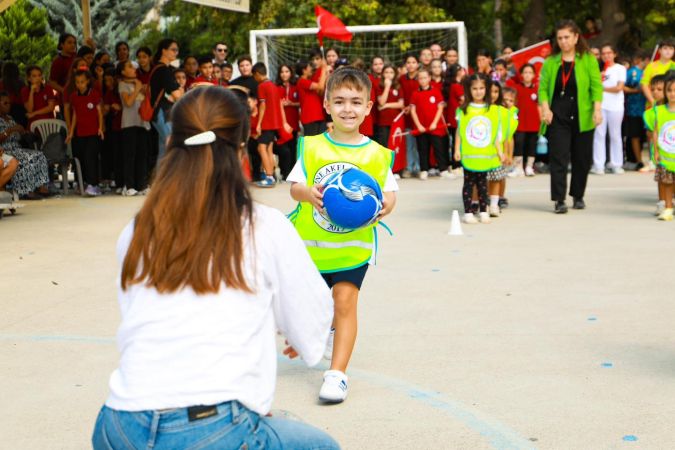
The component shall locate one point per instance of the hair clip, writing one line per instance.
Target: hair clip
(207, 137)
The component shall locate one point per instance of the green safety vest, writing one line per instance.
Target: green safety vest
(665, 136)
(649, 119)
(511, 123)
(479, 131)
(333, 248)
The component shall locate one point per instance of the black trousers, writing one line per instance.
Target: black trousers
(111, 156)
(526, 144)
(424, 143)
(287, 155)
(87, 149)
(134, 154)
(382, 134)
(254, 159)
(479, 181)
(314, 128)
(567, 144)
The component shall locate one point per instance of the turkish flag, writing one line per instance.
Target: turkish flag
(656, 54)
(330, 26)
(534, 54)
(396, 143)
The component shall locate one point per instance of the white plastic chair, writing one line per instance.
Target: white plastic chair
(44, 128)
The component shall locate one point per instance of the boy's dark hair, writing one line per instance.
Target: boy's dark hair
(119, 45)
(30, 69)
(424, 69)
(348, 77)
(145, 50)
(244, 58)
(204, 60)
(219, 43)
(509, 90)
(657, 79)
(410, 55)
(260, 69)
(84, 50)
(667, 42)
(181, 70)
(300, 67)
(500, 62)
(63, 38)
(86, 73)
(226, 65)
(99, 55)
(526, 65)
(642, 54)
(468, 81)
(313, 53)
(484, 52)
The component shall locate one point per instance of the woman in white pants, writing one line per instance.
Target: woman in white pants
(613, 79)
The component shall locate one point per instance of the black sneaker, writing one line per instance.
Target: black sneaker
(560, 207)
(579, 203)
(503, 203)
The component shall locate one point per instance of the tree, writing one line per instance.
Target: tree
(111, 20)
(24, 38)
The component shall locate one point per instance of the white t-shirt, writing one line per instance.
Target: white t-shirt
(611, 77)
(297, 175)
(182, 349)
(130, 115)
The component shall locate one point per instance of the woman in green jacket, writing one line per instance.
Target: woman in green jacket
(570, 94)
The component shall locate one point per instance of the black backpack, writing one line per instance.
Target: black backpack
(55, 148)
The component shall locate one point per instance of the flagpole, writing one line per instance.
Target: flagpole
(656, 50)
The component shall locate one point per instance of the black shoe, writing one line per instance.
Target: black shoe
(579, 203)
(503, 203)
(560, 207)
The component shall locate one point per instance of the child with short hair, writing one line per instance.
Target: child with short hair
(205, 77)
(342, 256)
(634, 129)
(86, 129)
(38, 98)
(477, 143)
(426, 110)
(658, 67)
(657, 87)
(311, 92)
(226, 73)
(270, 122)
(663, 129)
(509, 127)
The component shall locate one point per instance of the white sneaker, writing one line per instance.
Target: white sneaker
(129, 192)
(90, 191)
(119, 191)
(484, 217)
(334, 387)
(494, 211)
(434, 173)
(145, 191)
(397, 176)
(447, 174)
(529, 171)
(516, 172)
(618, 171)
(424, 175)
(328, 353)
(660, 206)
(595, 171)
(470, 219)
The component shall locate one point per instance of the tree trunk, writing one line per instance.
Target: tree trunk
(499, 37)
(535, 23)
(614, 23)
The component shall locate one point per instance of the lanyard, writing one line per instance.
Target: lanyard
(566, 77)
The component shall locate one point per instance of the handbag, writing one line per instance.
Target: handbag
(147, 109)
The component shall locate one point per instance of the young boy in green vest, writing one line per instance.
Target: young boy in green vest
(342, 256)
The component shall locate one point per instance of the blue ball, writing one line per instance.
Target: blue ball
(352, 198)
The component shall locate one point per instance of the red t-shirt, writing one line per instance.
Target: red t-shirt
(385, 117)
(408, 86)
(438, 85)
(188, 81)
(269, 94)
(528, 112)
(113, 98)
(84, 106)
(290, 93)
(60, 69)
(454, 101)
(202, 79)
(254, 125)
(426, 106)
(40, 99)
(143, 76)
(311, 105)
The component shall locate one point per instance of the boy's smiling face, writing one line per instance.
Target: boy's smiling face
(348, 108)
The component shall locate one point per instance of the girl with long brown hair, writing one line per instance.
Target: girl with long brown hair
(207, 276)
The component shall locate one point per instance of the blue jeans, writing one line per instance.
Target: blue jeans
(411, 153)
(164, 130)
(233, 427)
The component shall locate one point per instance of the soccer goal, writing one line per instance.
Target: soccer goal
(392, 42)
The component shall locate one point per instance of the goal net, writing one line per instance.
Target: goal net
(392, 42)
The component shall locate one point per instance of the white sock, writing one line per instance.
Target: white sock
(494, 201)
(530, 161)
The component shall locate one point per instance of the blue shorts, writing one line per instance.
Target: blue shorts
(354, 276)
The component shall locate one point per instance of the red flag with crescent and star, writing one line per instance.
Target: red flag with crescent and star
(330, 26)
(534, 54)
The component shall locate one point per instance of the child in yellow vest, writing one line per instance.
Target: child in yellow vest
(477, 143)
(509, 125)
(342, 256)
(657, 88)
(661, 121)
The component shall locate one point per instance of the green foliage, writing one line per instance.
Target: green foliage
(111, 20)
(198, 27)
(24, 38)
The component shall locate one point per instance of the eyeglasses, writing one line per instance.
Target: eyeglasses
(174, 49)
(221, 50)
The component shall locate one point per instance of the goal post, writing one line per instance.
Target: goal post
(286, 45)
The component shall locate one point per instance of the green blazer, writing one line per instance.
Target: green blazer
(589, 86)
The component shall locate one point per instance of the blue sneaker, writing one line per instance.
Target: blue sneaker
(268, 182)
